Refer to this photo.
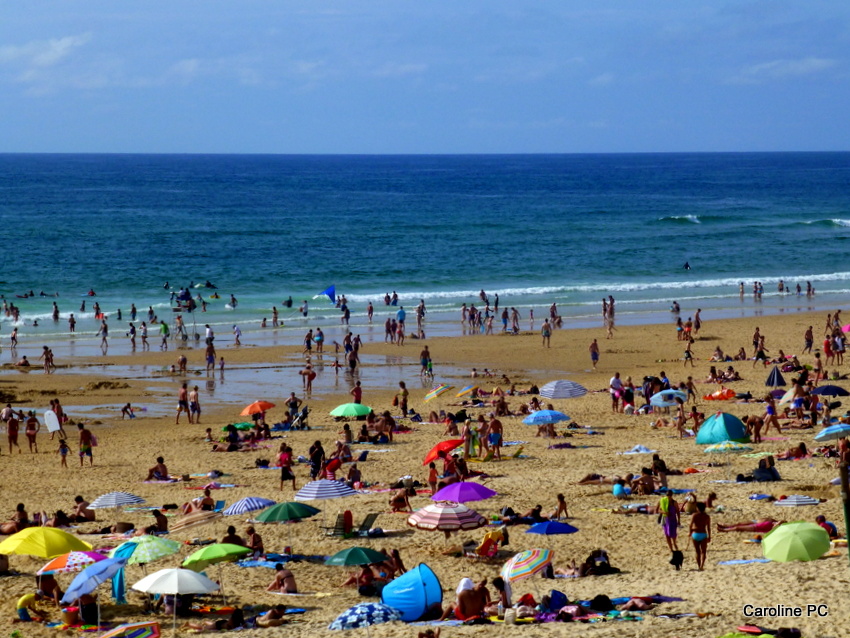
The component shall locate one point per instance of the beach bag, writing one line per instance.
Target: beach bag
(395, 402)
(557, 599)
(93, 440)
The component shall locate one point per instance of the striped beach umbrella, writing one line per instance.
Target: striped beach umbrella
(727, 447)
(148, 549)
(544, 417)
(563, 389)
(70, 562)
(526, 564)
(797, 500)
(834, 432)
(248, 504)
(195, 519)
(437, 391)
(323, 489)
(115, 499)
(446, 517)
(465, 391)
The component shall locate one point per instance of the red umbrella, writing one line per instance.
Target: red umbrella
(256, 407)
(442, 446)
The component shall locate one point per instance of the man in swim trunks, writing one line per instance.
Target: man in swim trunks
(183, 403)
(594, 353)
(85, 444)
(158, 472)
(495, 437)
(195, 404)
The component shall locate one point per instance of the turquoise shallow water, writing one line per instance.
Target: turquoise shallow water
(534, 229)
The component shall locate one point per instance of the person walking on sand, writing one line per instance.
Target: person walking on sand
(668, 510)
(546, 332)
(689, 355)
(615, 387)
(183, 403)
(594, 353)
(86, 444)
(195, 405)
(103, 333)
(700, 531)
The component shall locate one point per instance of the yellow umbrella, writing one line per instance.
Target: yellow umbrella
(467, 390)
(44, 542)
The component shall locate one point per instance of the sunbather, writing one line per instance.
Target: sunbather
(761, 526)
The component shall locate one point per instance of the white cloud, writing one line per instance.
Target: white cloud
(43, 53)
(779, 69)
(603, 79)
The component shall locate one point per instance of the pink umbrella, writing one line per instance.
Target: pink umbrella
(845, 328)
(463, 492)
(446, 517)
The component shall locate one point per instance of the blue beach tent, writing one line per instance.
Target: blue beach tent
(722, 427)
(413, 593)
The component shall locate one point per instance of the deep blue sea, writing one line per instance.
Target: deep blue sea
(535, 229)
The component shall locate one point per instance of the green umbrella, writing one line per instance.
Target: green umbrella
(212, 554)
(283, 512)
(356, 556)
(239, 426)
(351, 409)
(800, 540)
(148, 549)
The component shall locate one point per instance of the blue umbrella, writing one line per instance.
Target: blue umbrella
(365, 615)
(548, 528)
(775, 378)
(92, 576)
(248, 504)
(831, 391)
(667, 398)
(834, 432)
(544, 417)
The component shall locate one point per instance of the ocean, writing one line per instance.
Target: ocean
(534, 229)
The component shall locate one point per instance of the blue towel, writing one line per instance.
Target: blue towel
(742, 561)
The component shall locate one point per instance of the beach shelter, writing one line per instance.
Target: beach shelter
(443, 446)
(800, 540)
(563, 389)
(544, 417)
(413, 593)
(43, 542)
(721, 427)
(464, 492)
(351, 410)
(248, 504)
(365, 615)
(176, 581)
(775, 378)
(356, 556)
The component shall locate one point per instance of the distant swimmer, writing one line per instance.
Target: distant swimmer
(687, 266)
(92, 293)
(210, 284)
(165, 286)
(675, 307)
(288, 302)
(233, 301)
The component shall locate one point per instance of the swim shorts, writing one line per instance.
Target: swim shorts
(85, 450)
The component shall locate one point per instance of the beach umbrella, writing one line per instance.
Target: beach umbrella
(43, 542)
(195, 519)
(351, 410)
(176, 581)
(667, 398)
(563, 389)
(437, 391)
(544, 417)
(365, 615)
(726, 447)
(87, 580)
(323, 489)
(775, 378)
(239, 426)
(834, 432)
(788, 396)
(549, 528)
(443, 446)
(777, 394)
(446, 517)
(464, 492)
(466, 391)
(216, 553)
(831, 391)
(256, 408)
(70, 562)
(356, 556)
(248, 504)
(721, 427)
(800, 540)
(797, 500)
(115, 499)
(283, 512)
(148, 549)
(526, 564)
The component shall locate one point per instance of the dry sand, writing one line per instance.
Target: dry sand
(635, 543)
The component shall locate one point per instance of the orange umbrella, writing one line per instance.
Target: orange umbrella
(256, 407)
(442, 446)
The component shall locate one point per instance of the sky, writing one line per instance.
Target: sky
(433, 76)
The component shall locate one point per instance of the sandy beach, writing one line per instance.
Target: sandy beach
(93, 389)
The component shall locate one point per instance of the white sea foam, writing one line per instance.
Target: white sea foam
(694, 219)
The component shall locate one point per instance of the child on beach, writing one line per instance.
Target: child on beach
(432, 477)
(63, 452)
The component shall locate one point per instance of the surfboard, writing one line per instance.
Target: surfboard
(52, 421)
(228, 306)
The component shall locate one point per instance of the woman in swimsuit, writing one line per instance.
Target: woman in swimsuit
(700, 531)
(770, 417)
(761, 526)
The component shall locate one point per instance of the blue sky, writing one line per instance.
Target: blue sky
(468, 76)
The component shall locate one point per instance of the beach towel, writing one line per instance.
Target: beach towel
(758, 497)
(639, 449)
(744, 561)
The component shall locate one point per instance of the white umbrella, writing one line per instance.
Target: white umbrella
(323, 489)
(115, 499)
(797, 500)
(563, 389)
(176, 581)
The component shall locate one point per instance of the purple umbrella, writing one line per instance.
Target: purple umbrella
(464, 492)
